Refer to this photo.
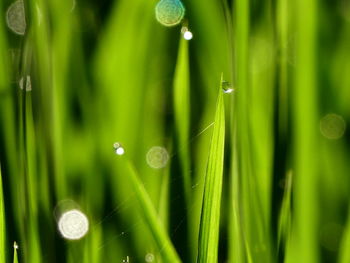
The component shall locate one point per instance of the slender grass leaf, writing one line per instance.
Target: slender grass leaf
(284, 223)
(305, 121)
(210, 216)
(152, 220)
(344, 252)
(2, 223)
(182, 111)
(15, 256)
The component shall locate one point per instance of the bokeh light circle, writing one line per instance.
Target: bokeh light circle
(73, 224)
(157, 157)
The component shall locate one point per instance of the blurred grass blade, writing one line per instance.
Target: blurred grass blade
(344, 253)
(284, 223)
(2, 223)
(152, 220)
(305, 120)
(182, 111)
(15, 256)
(210, 217)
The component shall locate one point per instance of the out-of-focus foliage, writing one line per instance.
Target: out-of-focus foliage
(79, 77)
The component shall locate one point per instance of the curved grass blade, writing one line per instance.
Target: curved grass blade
(182, 111)
(210, 217)
(2, 223)
(156, 227)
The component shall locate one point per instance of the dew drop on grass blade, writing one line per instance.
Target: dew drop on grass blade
(210, 217)
(15, 256)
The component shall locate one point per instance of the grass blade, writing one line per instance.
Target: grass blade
(2, 224)
(344, 252)
(15, 256)
(152, 220)
(210, 217)
(306, 220)
(284, 224)
(182, 111)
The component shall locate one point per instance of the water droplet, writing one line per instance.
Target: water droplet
(15, 17)
(149, 257)
(226, 87)
(188, 35)
(332, 126)
(170, 12)
(15, 245)
(73, 224)
(118, 148)
(157, 157)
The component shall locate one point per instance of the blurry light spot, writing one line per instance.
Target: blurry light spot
(188, 35)
(226, 87)
(170, 12)
(73, 224)
(15, 17)
(27, 84)
(149, 257)
(157, 157)
(118, 148)
(332, 126)
(15, 245)
(126, 260)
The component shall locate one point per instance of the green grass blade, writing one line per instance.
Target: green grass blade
(15, 256)
(210, 217)
(344, 252)
(305, 121)
(182, 111)
(2, 224)
(284, 224)
(152, 220)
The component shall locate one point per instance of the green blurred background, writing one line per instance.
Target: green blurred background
(104, 71)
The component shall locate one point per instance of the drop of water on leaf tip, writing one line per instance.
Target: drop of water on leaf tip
(15, 245)
(118, 148)
(188, 35)
(170, 12)
(227, 87)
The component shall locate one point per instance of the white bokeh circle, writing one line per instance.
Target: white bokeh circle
(73, 224)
